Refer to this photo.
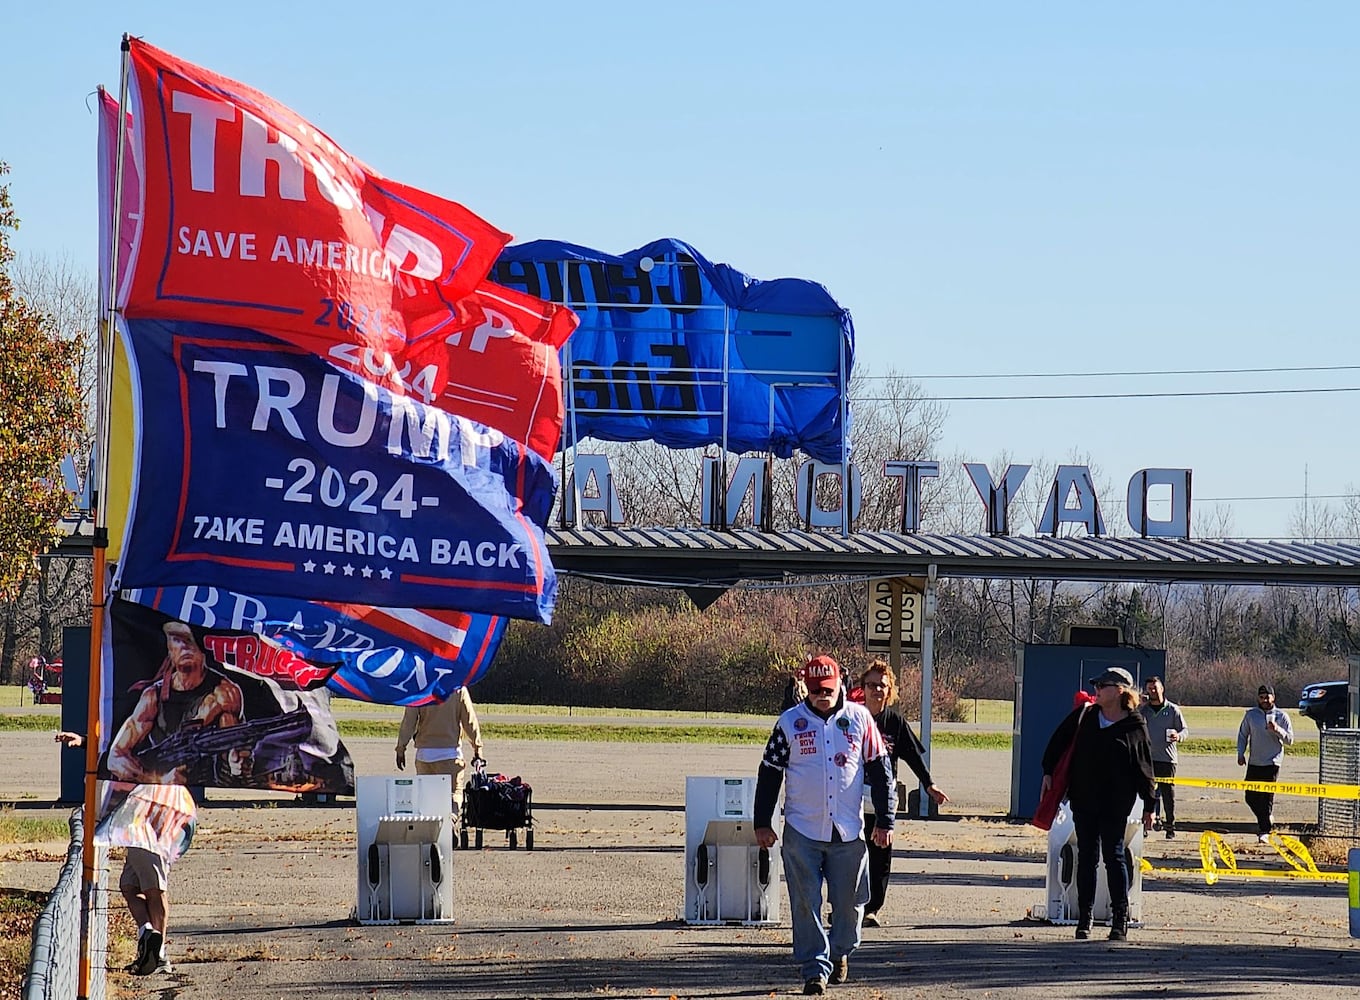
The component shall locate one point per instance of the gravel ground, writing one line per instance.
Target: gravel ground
(262, 902)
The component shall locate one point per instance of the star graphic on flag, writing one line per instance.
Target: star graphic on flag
(386, 573)
(329, 567)
(367, 571)
(349, 570)
(309, 566)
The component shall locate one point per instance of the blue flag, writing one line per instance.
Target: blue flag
(265, 470)
(669, 343)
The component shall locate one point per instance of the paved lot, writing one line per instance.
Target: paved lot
(262, 901)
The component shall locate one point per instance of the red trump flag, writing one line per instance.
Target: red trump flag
(494, 360)
(251, 216)
(490, 356)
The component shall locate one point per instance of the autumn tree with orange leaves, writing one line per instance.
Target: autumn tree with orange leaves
(41, 419)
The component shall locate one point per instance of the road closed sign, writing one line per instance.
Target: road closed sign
(879, 626)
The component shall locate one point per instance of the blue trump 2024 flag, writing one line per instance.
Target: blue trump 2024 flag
(262, 469)
(660, 325)
(393, 656)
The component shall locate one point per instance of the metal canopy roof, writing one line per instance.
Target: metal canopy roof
(699, 557)
(694, 556)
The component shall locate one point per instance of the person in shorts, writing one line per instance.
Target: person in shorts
(155, 824)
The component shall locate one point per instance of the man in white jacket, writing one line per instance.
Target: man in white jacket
(824, 751)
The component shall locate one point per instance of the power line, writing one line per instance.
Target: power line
(1116, 501)
(1132, 374)
(1112, 395)
(1294, 496)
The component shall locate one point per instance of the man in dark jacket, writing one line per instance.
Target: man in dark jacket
(1111, 768)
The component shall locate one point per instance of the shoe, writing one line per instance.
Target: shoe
(814, 987)
(1119, 924)
(1170, 834)
(840, 970)
(1083, 925)
(163, 967)
(871, 920)
(1263, 838)
(148, 953)
(155, 941)
(140, 959)
(1156, 824)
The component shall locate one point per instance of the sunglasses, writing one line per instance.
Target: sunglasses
(821, 692)
(877, 686)
(1106, 684)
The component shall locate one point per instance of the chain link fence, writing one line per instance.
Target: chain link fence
(54, 962)
(1339, 764)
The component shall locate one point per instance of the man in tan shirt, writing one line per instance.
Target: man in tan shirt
(438, 730)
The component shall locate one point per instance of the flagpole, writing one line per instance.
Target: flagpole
(99, 461)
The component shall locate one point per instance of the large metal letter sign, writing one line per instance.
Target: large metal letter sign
(1087, 510)
(816, 516)
(752, 476)
(996, 497)
(605, 502)
(912, 473)
(1175, 526)
(878, 627)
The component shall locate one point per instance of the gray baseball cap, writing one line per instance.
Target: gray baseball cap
(1114, 675)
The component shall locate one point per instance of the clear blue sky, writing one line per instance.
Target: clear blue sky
(988, 187)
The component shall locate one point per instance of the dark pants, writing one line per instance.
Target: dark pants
(880, 868)
(1166, 794)
(1101, 834)
(1262, 803)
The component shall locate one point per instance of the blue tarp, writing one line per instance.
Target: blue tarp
(661, 324)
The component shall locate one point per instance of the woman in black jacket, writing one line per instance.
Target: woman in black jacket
(880, 694)
(1111, 767)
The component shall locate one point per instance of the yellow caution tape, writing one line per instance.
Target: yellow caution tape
(1278, 787)
(1214, 850)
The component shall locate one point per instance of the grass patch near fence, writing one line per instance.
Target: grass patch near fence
(16, 829)
(19, 909)
(30, 723)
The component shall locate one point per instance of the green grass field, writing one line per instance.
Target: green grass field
(356, 719)
(1197, 717)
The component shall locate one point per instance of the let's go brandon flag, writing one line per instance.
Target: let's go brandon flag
(251, 216)
(394, 656)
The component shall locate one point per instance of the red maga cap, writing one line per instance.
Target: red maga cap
(821, 668)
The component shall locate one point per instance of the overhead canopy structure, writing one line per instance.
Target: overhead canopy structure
(701, 557)
(707, 558)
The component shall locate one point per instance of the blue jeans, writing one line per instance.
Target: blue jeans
(845, 867)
